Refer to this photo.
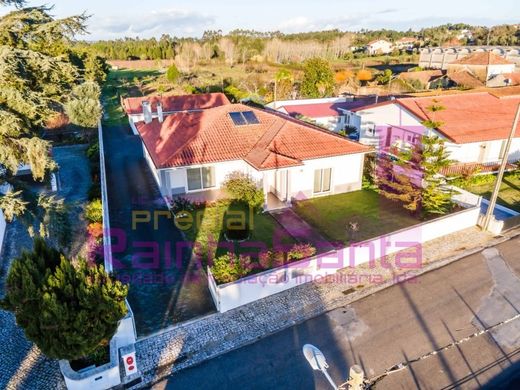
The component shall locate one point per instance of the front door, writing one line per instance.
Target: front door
(280, 186)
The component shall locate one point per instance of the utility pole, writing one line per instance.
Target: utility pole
(498, 182)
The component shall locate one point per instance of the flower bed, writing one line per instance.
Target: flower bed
(231, 267)
(205, 226)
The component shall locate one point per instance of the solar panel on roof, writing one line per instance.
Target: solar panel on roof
(250, 117)
(237, 118)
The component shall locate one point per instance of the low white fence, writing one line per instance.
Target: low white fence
(3, 225)
(251, 288)
(107, 241)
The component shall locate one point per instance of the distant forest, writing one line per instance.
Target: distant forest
(240, 46)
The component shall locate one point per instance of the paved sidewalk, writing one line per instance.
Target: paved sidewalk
(191, 343)
(300, 230)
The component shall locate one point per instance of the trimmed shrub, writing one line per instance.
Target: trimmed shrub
(94, 211)
(242, 187)
(238, 233)
(93, 152)
(181, 204)
(95, 230)
(94, 192)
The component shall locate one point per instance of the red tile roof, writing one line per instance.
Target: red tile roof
(133, 105)
(322, 110)
(465, 78)
(424, 76)
(467, 117)
(513, 77)
(209, 136)
(482, 58)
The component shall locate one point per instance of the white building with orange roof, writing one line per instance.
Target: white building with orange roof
(191, 152)
(475, 126)
(379, 46)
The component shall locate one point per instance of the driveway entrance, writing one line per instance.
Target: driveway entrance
(166, 286)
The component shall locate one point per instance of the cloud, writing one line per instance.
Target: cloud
(302, 23)
(154, 23)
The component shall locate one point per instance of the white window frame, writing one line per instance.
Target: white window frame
(202, 188)
(321, 192)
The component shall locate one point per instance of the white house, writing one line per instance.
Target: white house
(483, 65)
(379, 46)
(330, 113)
(190, 154)
(405, 43)
(475, 126)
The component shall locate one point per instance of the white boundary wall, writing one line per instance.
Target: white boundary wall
(231, 295)
(107, 241)
(3, 225)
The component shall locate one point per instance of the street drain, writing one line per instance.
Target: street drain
(348, 291)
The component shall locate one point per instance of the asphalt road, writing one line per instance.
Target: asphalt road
(161, 292)
(397, 325)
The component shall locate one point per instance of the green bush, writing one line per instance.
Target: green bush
(181, 204)
(173, 74)
(300, 251)
(242, 188)
(94, 211)
(93, 152)
(94, 192)
(238, 233)
(229, 267)
(235, 93)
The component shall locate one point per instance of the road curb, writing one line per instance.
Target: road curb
(162, 371)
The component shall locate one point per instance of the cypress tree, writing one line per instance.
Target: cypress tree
(69, 309)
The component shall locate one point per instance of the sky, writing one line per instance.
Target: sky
(147, 18)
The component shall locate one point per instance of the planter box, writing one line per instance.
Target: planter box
(102, 377)
(108, 375)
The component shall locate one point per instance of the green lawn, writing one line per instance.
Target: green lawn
(509, 194)
(209, 224)
(124, 82)
(374, 214)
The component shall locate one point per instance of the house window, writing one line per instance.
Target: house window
(322, 180)
(200, 178)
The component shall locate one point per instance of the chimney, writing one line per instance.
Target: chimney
(160, 115)
(147, 111)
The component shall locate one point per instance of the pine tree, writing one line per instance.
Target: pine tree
(414, 176)
(37, 74)
(84, 108)
(395, 182)
(68, 309)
